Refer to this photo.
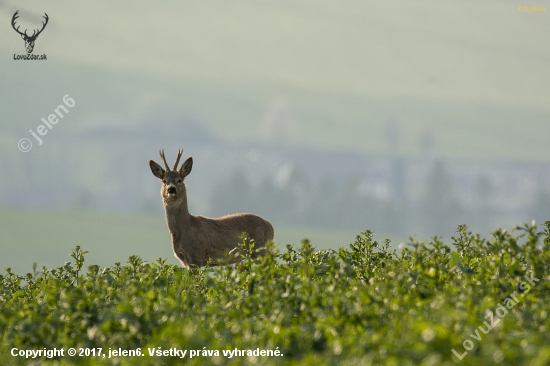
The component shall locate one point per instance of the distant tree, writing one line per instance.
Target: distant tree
(483, 190)
(349, 207)
(398, 179)
(284, 198)
(441, 209)
(267, 200)
(321, 208)
(235, 194)
(540, 206)
(426, 141)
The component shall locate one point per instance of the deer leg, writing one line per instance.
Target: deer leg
(197, 255)
(183, 258)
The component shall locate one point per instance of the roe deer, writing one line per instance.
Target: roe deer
(198, 239)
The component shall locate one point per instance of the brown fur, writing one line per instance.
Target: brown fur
(198, 239)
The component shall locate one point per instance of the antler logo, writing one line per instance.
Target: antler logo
(29, 40)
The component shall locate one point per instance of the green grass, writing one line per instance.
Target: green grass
(45, 237)
(486, 299)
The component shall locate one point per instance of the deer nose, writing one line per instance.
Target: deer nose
(171, 190)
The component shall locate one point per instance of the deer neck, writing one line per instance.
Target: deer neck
(177, 216)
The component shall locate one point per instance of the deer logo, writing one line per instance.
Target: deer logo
(29, 40)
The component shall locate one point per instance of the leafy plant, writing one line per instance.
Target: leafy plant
(364, 304)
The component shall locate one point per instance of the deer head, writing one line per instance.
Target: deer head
(29, 40)
(173, 188)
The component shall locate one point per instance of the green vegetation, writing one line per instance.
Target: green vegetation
(358, 305)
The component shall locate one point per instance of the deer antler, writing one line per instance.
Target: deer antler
(180, 152)
(161, 152)
(34, 34)
(43, 26)
(15, 16)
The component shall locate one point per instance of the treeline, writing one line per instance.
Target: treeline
(353, 203)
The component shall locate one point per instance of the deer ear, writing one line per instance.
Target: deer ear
(156, 169)
(186, 167)
(23, 36)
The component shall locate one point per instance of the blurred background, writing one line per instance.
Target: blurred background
(327, 118)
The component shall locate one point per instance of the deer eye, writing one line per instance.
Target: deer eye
(163, 181)
(180, 181)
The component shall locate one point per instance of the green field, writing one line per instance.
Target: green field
(45, 237)
(472, 75)
(471, 302)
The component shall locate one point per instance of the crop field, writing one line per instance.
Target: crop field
(471, 301)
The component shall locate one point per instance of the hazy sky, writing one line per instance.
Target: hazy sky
(464, 68)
